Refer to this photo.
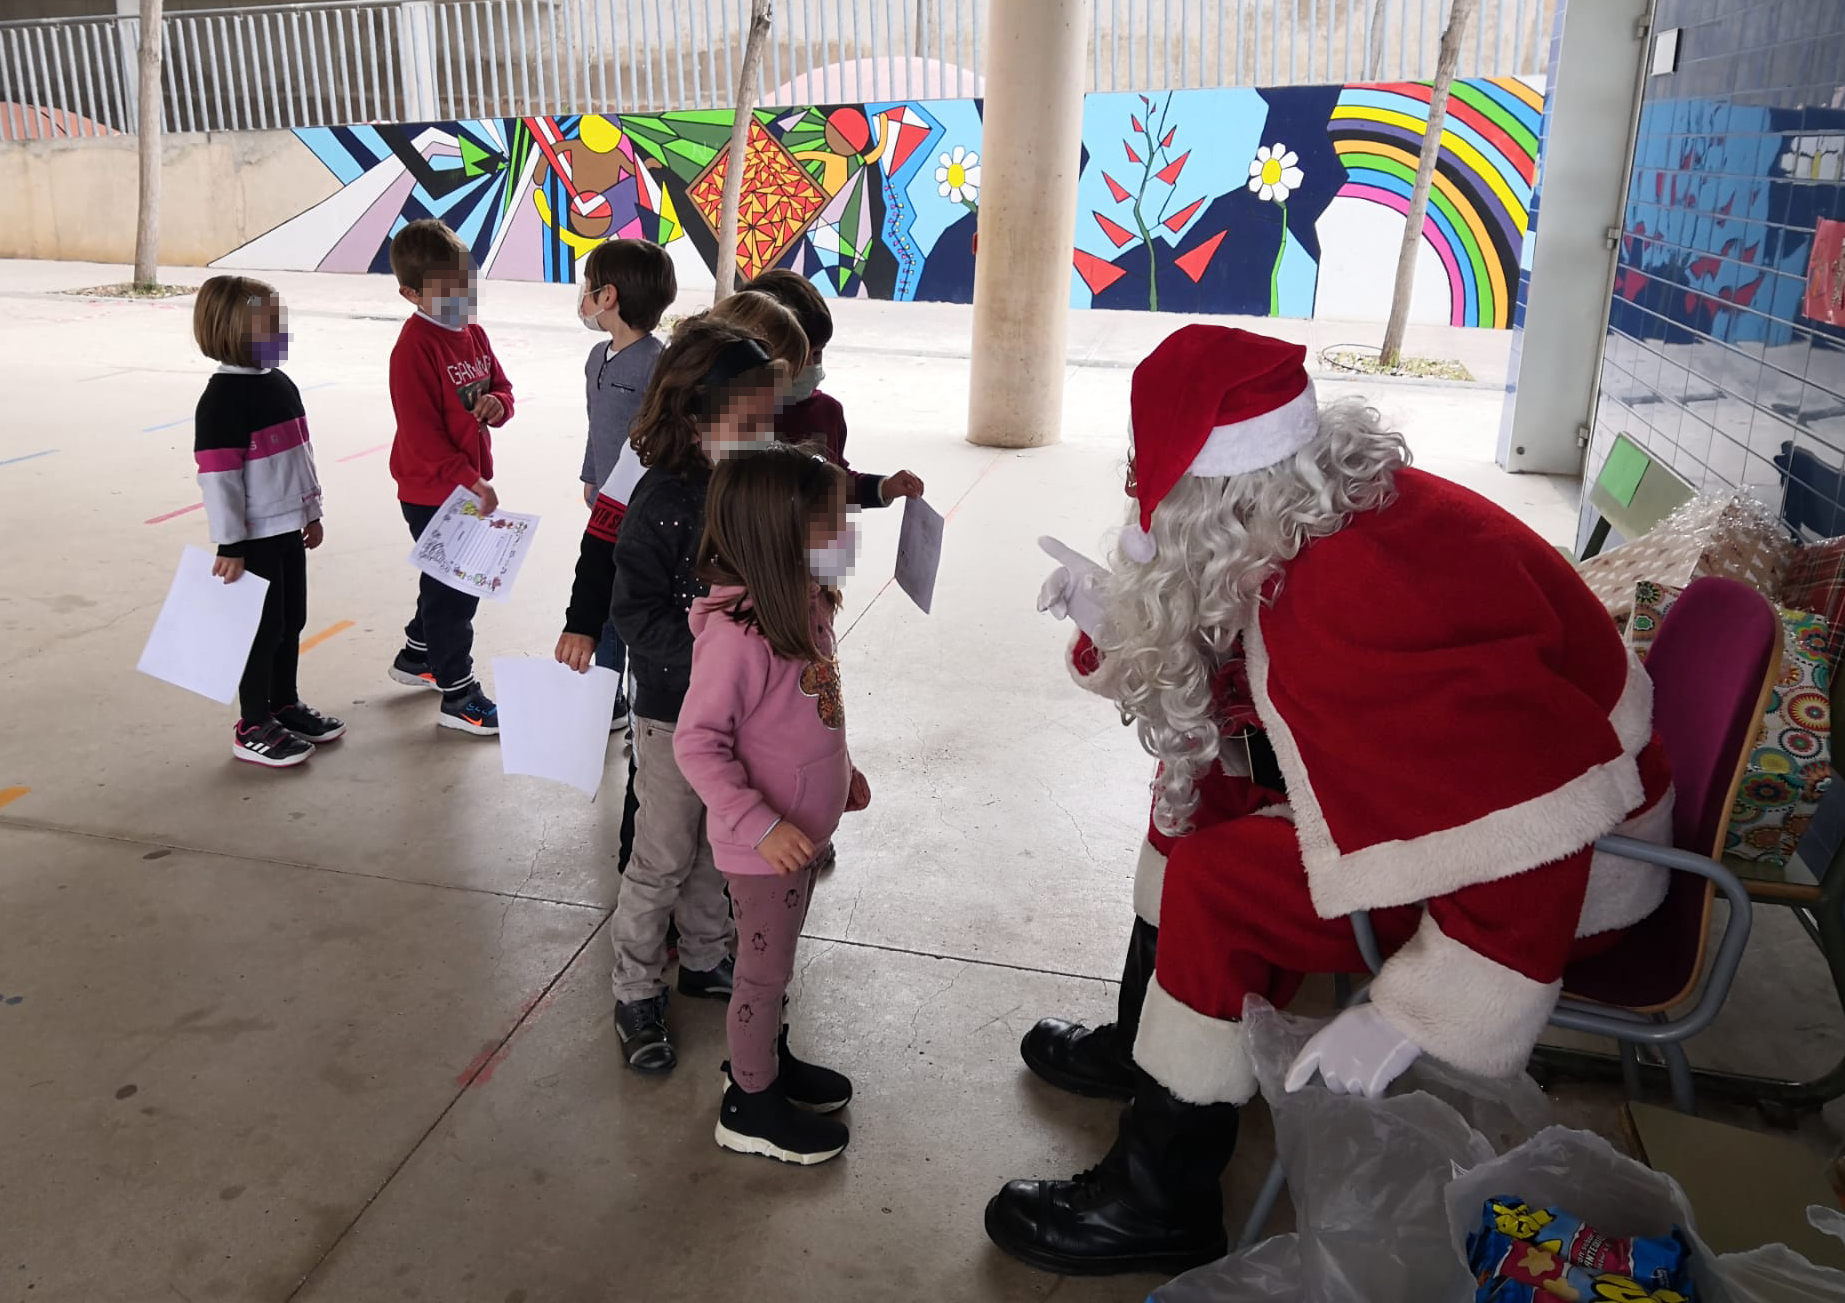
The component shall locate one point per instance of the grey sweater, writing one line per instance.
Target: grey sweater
(615, 386)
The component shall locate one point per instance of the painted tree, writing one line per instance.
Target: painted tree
(1157, 165)
(1458, 17)
(147, 226)
(761, 15)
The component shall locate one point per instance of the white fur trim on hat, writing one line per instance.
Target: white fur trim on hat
(1149, 881)
(1201, 1060)
(1260, 441)
(1460, 1006)
(1237, 449)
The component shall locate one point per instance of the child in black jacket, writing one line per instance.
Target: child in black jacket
(714, 391)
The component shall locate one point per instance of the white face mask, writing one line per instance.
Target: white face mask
(592, 319)
(806, 380)
(832, 561)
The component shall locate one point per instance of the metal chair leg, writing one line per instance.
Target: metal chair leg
(1678, 1071)
(1630, 1070)
(1264, 1208)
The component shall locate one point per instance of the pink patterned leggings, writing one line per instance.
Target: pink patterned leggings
(770, 910)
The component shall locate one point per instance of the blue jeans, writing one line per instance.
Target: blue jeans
(611, 652)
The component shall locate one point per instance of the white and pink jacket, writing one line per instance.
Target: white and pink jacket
(256, 467)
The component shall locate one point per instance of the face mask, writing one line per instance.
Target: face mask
(832, 562)
(806, 380)
(271, 350)
(591, 319)
(452, 310)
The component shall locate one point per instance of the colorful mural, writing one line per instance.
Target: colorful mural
(1221, 201)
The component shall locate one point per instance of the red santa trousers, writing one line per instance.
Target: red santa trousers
(1236, 919)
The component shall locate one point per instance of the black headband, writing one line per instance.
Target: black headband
(734, 359)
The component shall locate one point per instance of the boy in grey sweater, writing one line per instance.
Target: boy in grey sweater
(627, 285)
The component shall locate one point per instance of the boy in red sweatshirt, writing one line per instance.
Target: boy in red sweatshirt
(448, 391)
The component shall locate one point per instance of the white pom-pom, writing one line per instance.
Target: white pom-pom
(1137, 544)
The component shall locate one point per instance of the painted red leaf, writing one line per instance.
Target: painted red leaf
(1170, 173)
(1115, 188)
(1177, 221)
(1136, 122)
(1114, 231)
(1167, 143)
(1132, 156)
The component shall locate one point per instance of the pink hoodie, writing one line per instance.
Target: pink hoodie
(761, 738)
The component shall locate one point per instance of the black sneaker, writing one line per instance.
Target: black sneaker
(619, 722)
(269, 744)
(472, 713)
(642, 1028)
(769, 1124)
(309, 724)
(413, 671)
(712, 984)
(807, 1085)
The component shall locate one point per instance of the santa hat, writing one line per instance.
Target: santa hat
(1212, 401)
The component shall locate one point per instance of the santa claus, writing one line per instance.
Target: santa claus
(1367, 689)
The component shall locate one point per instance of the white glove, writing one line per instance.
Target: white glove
(1073, 589)
(1359, 1053)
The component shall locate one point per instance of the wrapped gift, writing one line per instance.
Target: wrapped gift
(1733, 536)
(1790, 764)
(1816, 583)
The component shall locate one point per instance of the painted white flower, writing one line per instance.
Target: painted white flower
(959, 176)
(1275, 173)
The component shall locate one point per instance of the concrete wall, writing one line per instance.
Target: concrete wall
(74, 199)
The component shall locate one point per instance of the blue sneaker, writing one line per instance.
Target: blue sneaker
(473, 712)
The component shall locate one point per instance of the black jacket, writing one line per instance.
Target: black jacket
(652, 587)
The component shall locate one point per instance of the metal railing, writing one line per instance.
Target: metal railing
(335, 62)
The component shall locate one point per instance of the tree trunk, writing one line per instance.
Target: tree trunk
(1425, 176)
(147, 228)
(761, 14)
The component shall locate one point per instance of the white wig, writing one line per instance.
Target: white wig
(1173, 621)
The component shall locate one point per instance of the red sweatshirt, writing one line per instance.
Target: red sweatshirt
(820, 419)
(437, 375)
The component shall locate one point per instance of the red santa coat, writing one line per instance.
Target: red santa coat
(1456, 721)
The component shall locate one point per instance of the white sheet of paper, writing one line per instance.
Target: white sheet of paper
(477, 556)
(554, 722)
(919, 551)
(203, 634)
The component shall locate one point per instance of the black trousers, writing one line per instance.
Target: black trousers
(442, 630)
(269, 675)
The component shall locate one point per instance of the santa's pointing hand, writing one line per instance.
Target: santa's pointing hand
(1073, 590)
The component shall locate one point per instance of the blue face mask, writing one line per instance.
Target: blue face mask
(271, 350)
(453, 310)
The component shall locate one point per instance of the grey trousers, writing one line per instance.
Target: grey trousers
(670, 876)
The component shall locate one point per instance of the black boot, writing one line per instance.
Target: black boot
(1154, 1204)
(1097, 1061)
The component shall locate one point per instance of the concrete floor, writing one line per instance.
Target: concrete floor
(342, 1033)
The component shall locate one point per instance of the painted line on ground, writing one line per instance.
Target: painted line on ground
(10, 461)
(309, 644)
(8, 795)
(308, 389)
(155, 520)
(354, 456)
(166, 425)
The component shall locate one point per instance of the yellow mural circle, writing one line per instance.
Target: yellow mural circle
(957, 175)
(1271, 172)
(599, 134)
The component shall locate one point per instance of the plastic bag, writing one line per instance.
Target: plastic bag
(1385, 1191)
(1368, 1179)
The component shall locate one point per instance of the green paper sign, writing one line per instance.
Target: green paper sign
(1627, 463)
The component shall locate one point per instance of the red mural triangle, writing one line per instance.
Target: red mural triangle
(1193, 264)
(909, 139)
(1115, 188)
(1096, 274)
(1119, 234)
(1177, 221)
(1132, 156)
(1170, 172)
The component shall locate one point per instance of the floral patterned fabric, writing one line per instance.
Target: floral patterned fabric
(1791, 763)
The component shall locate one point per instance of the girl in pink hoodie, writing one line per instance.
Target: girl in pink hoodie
(762, 739)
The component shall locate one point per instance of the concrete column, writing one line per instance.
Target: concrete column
(1031, 144)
